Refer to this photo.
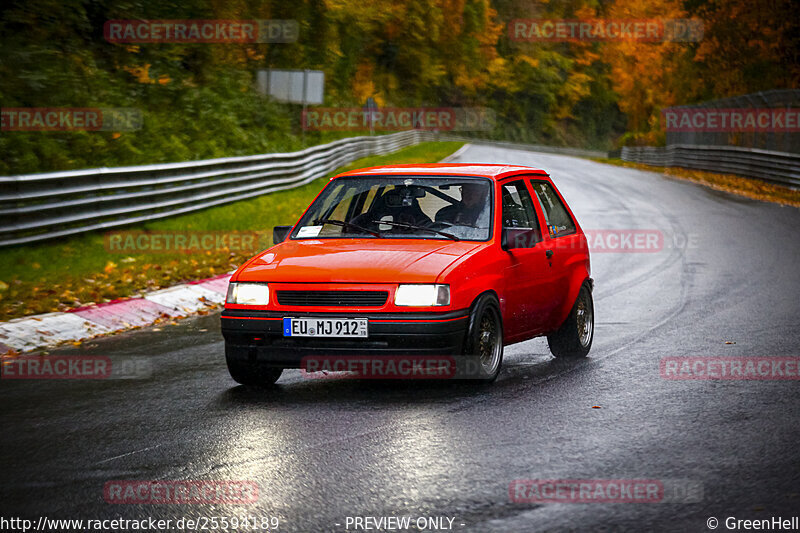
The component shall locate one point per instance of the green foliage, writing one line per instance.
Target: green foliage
(199, 100)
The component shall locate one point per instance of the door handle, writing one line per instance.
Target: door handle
(549, 253)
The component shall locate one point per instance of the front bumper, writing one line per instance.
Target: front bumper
(257, 336)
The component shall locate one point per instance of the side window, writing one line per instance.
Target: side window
(519, 214)
(555, 214)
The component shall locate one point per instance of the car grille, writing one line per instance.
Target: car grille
(333, 298)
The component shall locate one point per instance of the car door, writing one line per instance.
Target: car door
(527, 275)
(561, 243)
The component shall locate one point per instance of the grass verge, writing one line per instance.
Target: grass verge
(748, 187)
(93, 268)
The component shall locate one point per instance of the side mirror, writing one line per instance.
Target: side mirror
(512, 238)
(279, 233)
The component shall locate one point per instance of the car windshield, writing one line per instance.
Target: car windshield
(454, 208)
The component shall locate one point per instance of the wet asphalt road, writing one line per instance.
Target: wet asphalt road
(322, 450)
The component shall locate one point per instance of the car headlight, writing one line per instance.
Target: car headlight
(248, 293)
(422, 295)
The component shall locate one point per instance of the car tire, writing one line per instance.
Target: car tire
(574, 338)
(483, 347)
(250, 373)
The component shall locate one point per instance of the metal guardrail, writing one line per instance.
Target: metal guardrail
(775, 141)
(39, 207)
(777, 167)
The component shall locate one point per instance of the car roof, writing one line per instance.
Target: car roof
(495, 172)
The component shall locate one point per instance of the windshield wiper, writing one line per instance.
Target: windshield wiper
(450, 224)
(347, 225)
(413, 226)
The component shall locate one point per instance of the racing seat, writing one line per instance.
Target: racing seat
(448, 213)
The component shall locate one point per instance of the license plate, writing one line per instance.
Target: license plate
(325, 327)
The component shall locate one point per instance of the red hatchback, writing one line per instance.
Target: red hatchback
(453, 260)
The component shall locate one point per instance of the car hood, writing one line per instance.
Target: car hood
(355, 261)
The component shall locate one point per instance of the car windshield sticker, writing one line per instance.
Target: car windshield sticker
(309, 231)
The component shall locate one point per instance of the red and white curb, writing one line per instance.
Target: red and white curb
(25, 334)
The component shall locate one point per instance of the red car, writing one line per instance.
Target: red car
(407, 260)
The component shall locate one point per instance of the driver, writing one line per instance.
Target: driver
(466, 211)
